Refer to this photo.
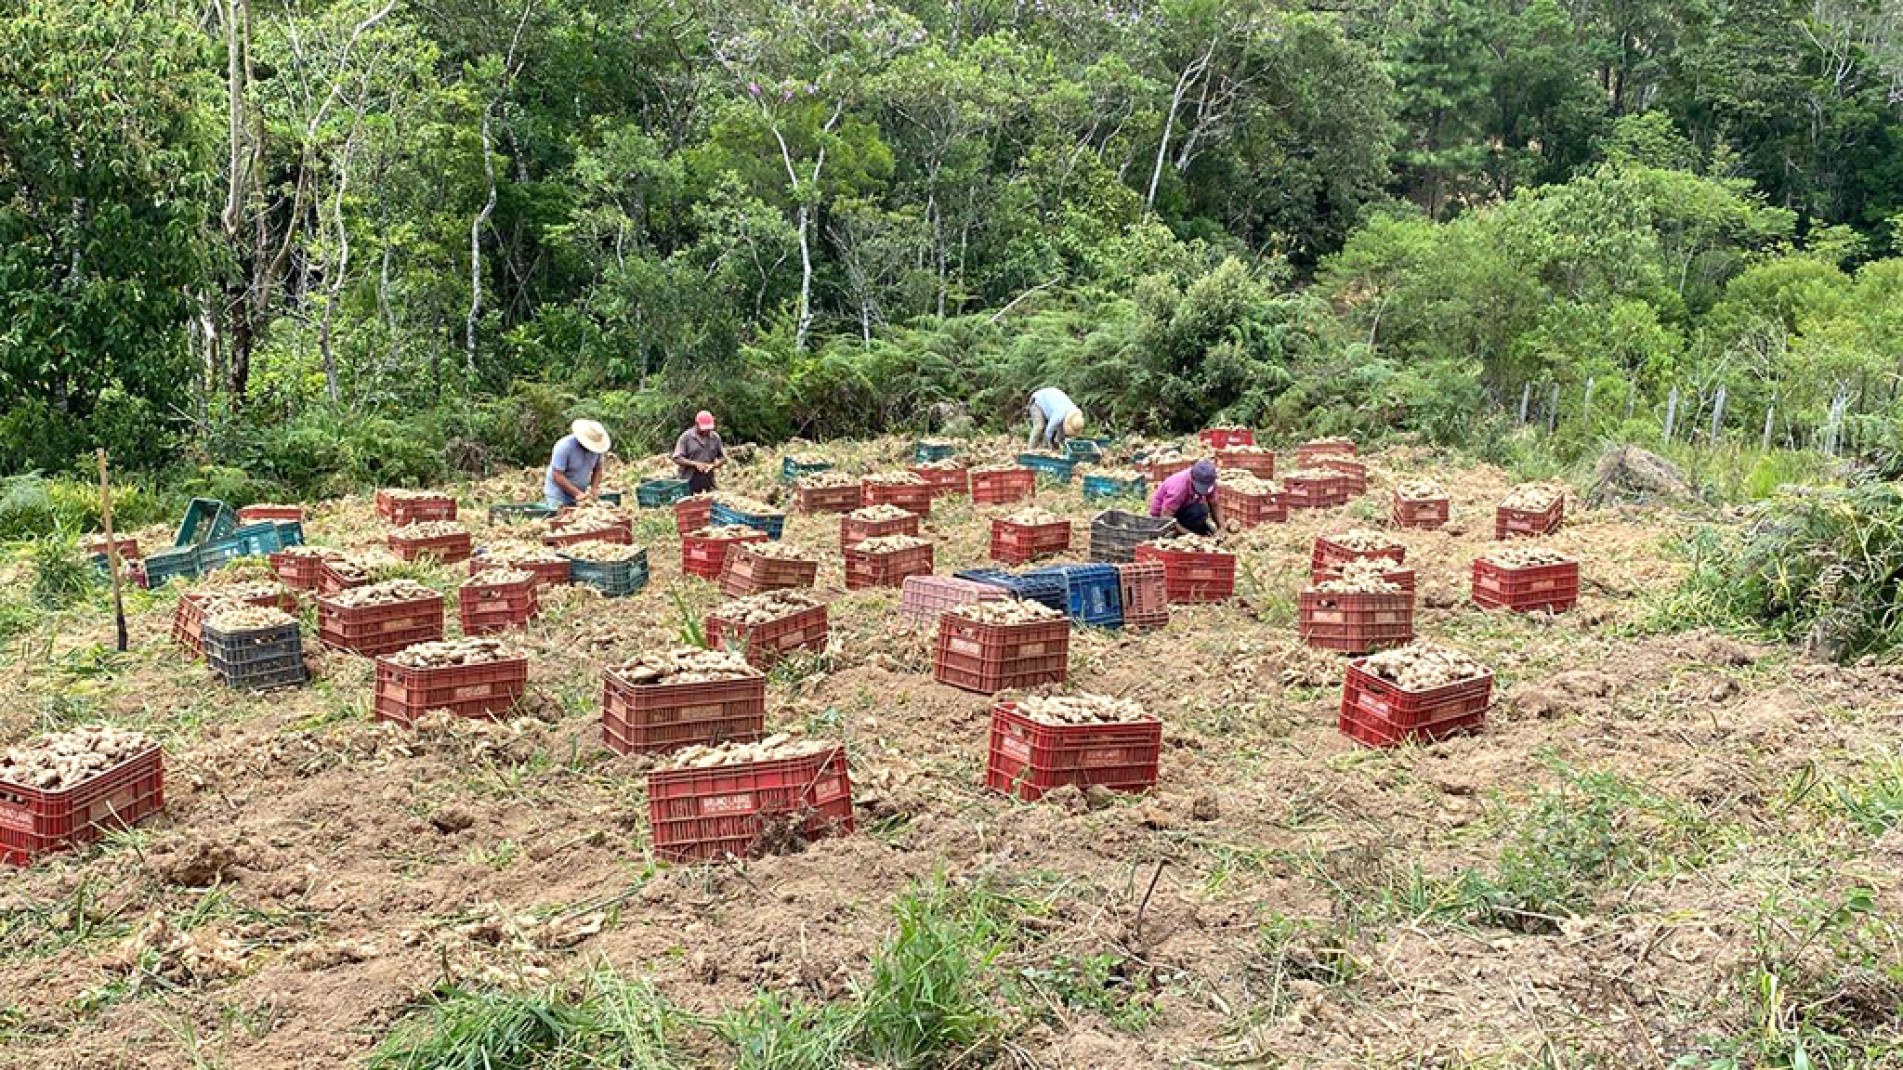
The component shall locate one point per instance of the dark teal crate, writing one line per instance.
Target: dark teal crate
(1100, 488)
(772, 526)
(1082, 449)
(791, 470)
(609, 497)
(260, 539)
(1093, 593)
(290, 533)
(511, 512)
(656, 493)
(1054, 469)
(216, 555)
(614, 579)
(167, 565)
(927, 452)
(206, 520)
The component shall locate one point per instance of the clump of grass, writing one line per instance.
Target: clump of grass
(605, 1021)
(1874, 801)
(1824, 568)
(773, 1034)
(60, 575)
(927, 998)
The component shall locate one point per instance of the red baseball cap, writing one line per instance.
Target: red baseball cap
(704, 420)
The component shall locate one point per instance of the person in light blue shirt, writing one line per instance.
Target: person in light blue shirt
(574, 468)
(1054, 418)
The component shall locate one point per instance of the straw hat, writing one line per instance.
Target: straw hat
(592, 435)
(1074, 423)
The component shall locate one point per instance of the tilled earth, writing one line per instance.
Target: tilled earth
(314, 872)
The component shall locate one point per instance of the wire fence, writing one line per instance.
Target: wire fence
(1705, 414)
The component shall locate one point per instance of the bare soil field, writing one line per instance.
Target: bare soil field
(1664, 849)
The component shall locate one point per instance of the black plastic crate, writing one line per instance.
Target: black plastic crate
(258, 659)
(1115, 534)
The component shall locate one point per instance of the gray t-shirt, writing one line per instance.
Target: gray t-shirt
(694, 446)
(573, 460)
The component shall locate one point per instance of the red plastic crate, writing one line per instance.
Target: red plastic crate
(1028, 759)
(914, 498)
(448, 549)
(486, 608)
(331, 581)
(853, 532)
(1356, 623)
(1302, 492)
(829, 499)
(746, 572)
(621, 534)
(252, 514)
(546, 572)
(1418, 513)
(300, 572)
(1515, 523)
(1217, 438)
(128, 547)
(374, 630)
(401, 512)
(1552, 588)
(1193, 577)
(188, 616)
(944, 481)
(1155, 472)
(989, 658)
(35, 822)
(1311, 454)
(1261, 464)
(1353, 474)
(763, 645)
(1328, 555)
(1146, 596)
(888, 569)
(1003, 487)
(693, 514)
(926, 598)
(640, 718)
(1378, 713)
(1018, 543)
(486, 690)
(1253, 510)
(706, 557)
(1399, 576)
(728, 810)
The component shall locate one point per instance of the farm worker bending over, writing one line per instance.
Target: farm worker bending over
(1054, 418)
(574, 469)
(1190, 497)
(698, 452)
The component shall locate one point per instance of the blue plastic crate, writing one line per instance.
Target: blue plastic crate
(290, 533)
(791, 470)
(1100, 488)
(773, 526)
(1049, 590)
(206, 520)
(927, 452)
(1052, 468)
(166, 565)
(656, 493)
(1093, 593)
(1082, 449)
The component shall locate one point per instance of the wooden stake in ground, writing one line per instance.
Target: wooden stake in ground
(112, 552)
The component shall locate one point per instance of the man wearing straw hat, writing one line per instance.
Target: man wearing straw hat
(574, 469)
(698, 452)
(1054, 418)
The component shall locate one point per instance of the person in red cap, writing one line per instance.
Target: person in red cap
(698, 452)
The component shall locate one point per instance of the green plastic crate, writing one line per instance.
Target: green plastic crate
(614, 579)
(206, 520)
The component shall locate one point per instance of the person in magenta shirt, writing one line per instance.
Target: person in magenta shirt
(1189, 497)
